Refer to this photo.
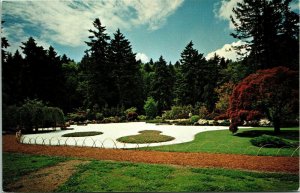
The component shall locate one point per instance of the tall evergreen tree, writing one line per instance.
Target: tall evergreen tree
(125, 73)
(190, 89)
(98, 72)
(162, 86)
(270, 30)
(33, 71)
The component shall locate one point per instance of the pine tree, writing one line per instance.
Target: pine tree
(125, 73)
(98, 71)
(162, 86)
(270, 30)
(190, 89)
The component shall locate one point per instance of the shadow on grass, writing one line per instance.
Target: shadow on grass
(286, 134)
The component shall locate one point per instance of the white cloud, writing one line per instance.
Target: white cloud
(67, 22)
(143, 57)
(227, 51)
(223, 10)
(295, 6)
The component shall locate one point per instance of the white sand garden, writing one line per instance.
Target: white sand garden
(113, 131)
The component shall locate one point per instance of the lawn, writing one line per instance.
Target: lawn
(104, 176)
(16, 165)
(147, 136)
(224, 142)
(107, 176)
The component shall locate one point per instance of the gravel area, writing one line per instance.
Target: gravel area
(113, 131)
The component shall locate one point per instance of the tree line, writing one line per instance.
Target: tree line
(108, 80)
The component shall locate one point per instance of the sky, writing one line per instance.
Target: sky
(153, 27)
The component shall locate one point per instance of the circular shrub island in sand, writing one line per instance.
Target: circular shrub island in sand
(82, 134)
(147, 136)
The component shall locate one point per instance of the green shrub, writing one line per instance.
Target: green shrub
(115, 119)
(142, 117)
(130, 110)
(178, 112)
(99, 116)
(195, 118)
(34, 114)
(150, 108)
(270, 141)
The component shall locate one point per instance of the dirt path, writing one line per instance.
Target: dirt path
(46, 179)
(231, 161)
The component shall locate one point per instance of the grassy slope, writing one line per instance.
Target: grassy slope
(16, 165)
(224, 142)
(99, 176)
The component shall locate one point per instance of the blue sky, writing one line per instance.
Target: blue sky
(154, 27)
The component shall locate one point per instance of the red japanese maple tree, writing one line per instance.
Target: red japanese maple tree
(271, 93)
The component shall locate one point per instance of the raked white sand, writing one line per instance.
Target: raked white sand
(113, 131)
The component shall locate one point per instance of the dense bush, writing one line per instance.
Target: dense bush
(34, 114)
(195, 118)
(142, 118)
(203, 112)
(150, 108)
(115, 119)
(10, 117)
(132, 116)
(270, 141)
(178, 112)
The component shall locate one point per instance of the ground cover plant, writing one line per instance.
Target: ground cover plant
(224, 142)
(114, 176)
(82, 134)
(147, 136)
(16, 165)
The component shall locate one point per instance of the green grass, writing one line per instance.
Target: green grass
(224, 142)
(147, 136)
(103, 176)
(108, 176)
(82, 134)
(16, 165)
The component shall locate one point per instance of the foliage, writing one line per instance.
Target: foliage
(178, 112)
(150, 108)
(132, 116)
(195, 118)
(34, 114)
(270, 141)
(99, 116)
(271, 93)
(142, 117)
(162, 85)
(10, 117)
(115, 119)
(131, 110)
(270, 30)
(203, 112)
(82, 134)
(224, 92)
(125, 72)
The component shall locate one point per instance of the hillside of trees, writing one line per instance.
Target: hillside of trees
(109, 80)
